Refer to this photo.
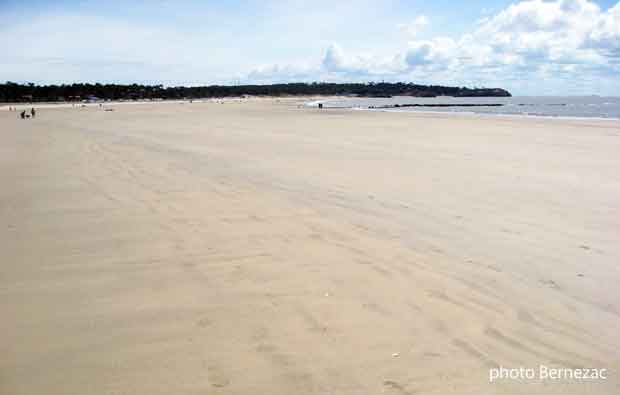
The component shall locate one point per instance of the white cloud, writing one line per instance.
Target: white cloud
(276, 73)
(528, 34)
(605, 34)
(538, 31)
(438, 52)
(415, 26)
(336, 61)
(532, 39)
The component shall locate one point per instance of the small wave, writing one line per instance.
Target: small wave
(314, 103)
(516, 115)
(572, 107)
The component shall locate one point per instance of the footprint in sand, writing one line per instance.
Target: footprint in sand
(216, 378)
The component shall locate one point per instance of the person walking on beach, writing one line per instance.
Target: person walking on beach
(23, 114)
(33, 112)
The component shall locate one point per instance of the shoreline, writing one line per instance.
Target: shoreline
(494, 115)
(66, 104)
(312, 104)
(472, 114)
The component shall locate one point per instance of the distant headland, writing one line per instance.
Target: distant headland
(13, 93)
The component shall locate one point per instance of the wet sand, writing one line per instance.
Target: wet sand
(257, 247)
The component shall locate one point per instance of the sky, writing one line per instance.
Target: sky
(530, 47)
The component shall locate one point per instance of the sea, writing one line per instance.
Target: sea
(543, 106)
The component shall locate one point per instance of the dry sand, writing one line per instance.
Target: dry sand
(260, 248)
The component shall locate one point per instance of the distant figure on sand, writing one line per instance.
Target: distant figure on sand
(23, 114)
(33, 112)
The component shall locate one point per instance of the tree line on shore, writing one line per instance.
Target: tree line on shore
(11, 92)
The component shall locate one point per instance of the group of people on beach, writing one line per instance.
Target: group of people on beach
(24, 114)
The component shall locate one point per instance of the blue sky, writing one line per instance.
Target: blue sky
(533, 47)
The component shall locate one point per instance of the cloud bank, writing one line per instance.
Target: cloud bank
(530, 47)
(553, 41)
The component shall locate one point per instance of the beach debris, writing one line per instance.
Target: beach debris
(394, 385)
(220, 383)
(550, 284)
(395, 355)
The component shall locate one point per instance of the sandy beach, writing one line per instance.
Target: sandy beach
(256, 247)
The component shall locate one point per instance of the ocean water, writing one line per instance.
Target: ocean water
(569, 106)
